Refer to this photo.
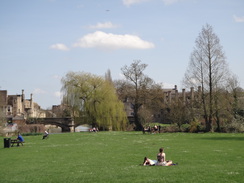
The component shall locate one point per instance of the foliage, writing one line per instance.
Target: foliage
(185, 127)
(135, 76)
(195, 126)
(154, 102)
(145, 116)
(93, 100)
(141, 91)
(172, 128)
(115, 157)
(236, 125)
(179, 113)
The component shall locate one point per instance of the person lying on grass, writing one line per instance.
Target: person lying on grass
(161, 160)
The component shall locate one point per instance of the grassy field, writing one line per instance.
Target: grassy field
(115, 157)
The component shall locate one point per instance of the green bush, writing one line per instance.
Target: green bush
(235, 126)
(172, 128)
(195, 127)
(185, 127)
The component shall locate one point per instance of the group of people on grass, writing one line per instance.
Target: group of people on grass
(21, 139)
(161, 160)
(154, 129)
(94, 129)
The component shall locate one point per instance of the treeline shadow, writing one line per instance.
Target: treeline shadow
(223, 138)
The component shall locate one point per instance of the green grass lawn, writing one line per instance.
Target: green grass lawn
(115, 157)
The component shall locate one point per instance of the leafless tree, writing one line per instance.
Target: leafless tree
(208, 69)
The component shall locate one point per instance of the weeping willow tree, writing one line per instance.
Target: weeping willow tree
(93, 100)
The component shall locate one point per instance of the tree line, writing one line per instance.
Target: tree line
(219, 104)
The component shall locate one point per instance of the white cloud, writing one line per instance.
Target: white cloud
(238, 19)
(130, 2)
(59, 46)
(100, 39)
(57, 77)
(39, 91)
(168, 85)
(105, 25)
(57, 94)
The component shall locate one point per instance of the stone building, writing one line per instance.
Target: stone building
(171, 96)
(18, 108)
(128, 108)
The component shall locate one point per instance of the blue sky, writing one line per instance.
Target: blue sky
(42, 40)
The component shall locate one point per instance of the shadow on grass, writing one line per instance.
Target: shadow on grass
(224, 138)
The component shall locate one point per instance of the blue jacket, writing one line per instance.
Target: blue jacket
(20, 138)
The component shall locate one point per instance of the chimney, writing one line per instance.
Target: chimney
(199, 92)
(192, 95)
(184, 95)
(23, 96)
(31, 101)
(176, 95)
(169, 95)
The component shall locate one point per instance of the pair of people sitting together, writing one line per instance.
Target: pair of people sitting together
(161, 160)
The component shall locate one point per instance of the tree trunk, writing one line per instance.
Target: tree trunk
(218, 122)
(209, 128)
(138, 124)
(207, 125)
(217, 113)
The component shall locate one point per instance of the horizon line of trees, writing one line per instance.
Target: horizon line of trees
(219, 104)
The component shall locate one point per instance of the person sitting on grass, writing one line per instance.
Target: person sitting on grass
(161, 160)
(45, 135)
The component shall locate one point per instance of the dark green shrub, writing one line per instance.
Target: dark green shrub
(185, 128)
